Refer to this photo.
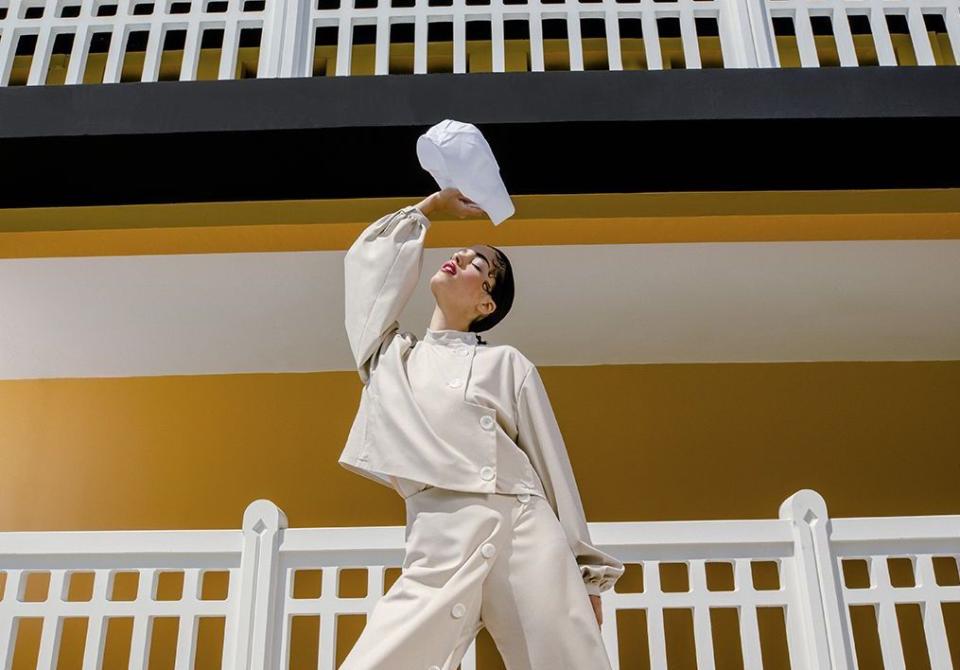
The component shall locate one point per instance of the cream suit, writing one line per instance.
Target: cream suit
(496, 533)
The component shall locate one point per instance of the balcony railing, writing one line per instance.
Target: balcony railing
(815, 560)
(109, 41)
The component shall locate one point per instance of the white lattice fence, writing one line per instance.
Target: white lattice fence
(288, 45)
(806, 548)
(877, 14)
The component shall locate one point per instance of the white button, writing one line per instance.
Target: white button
(465, 351)
(455, 383)
(488, 550)
(523, 497)
(458, 610)
(486, 421)
(486, 472)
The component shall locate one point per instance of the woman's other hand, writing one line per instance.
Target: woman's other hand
(597, 608)
(450, 201)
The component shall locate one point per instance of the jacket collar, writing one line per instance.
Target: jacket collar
(450, 336)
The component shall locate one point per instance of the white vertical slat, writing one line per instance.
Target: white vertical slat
(806, 44)
(8, 41)
(382, 48)
(536, 37)
(750, 637)
(9, 623)
(187, 628)
(951, 17)
(497, 45)
(881, 35)
(609, 629)
(918, 35)
(933, 628)
(191, 53)
(749, 631)
(655, 633)
(52, 624)
(188, 621)
(799, 658)
(841, 32)
(119, 37)
(40, 62)
(651, 38)
(285, 597)
(96, 623)
(151, 60)
(229, 52)
(890, 644)
(328, 622)
(574, 40)
(80, 50)
(459, 41)
(420, 43)
(688, 38)
(142, 623)
(344, 44)
(702, 629)
(611, 26)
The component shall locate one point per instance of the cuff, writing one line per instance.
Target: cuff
(414, 210)
(600, 578)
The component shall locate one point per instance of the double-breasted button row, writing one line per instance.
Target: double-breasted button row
(486, 472)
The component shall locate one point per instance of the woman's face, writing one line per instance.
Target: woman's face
(462, 284)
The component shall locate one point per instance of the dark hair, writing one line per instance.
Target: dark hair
(502, 295)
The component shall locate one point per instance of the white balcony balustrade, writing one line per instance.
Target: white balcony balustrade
(810, 586)
(109, 41)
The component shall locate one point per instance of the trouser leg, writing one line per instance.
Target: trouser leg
(426, 620)
(535, 604)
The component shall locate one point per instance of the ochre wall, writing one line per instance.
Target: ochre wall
(647, 442)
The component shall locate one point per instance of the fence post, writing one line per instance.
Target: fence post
(256, 623)
(827, 642)
(760, 42)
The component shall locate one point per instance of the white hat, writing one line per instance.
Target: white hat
(457, 155)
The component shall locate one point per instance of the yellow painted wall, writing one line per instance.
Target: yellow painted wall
(648, 442)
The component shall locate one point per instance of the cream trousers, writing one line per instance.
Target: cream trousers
(482, 559)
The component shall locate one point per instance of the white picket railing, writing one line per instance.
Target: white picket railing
(262, 559)
(288, 28)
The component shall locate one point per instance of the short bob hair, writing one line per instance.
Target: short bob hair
(502, 294)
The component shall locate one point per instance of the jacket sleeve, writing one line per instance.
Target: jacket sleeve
(539, 437)
(381, 270)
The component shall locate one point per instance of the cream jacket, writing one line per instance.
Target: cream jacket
(444, 411)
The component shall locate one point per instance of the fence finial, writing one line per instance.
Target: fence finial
(262, 515)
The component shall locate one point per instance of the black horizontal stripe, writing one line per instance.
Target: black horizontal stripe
(552, 132)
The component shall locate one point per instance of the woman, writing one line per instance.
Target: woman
(496, 534)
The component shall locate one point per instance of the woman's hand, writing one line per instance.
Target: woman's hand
(597, 608)
(450, 201)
